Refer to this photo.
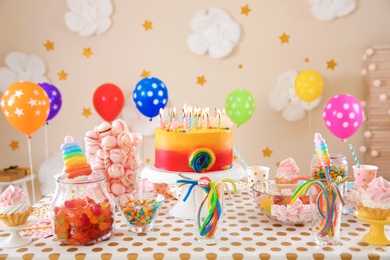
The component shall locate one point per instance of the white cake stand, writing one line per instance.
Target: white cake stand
(15, 239)
(186, 209)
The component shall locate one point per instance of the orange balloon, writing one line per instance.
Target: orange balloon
(26, 106)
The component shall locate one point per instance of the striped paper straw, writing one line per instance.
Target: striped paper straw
(354, 155)
(240, 157)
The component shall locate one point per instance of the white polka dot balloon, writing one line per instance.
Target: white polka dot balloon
(343, 114)
(149, 95)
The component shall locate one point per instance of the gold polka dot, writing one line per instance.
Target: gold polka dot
(290, 229)
(162, 244)
(238, 256)
(345, 256)
(328, 249)
(261, 244)
(80, 256)
(158, 256)
(72, 249)
(147, 249)
(345, 225)
(291, 256)
(118, 234)
(245, 229)
(113, 244)
(122, 249)
(296, 238)
(257, 234)
(250, 249)
(132, 256)
(345, 238)
(306, 234)
(198, 249)
(54, 256)
(187, 234)
(137, 244)
(268, 229)
(234, 234)
(355, 249)
(276, 249)
(23, 249)
(264, 256)
(372, 256)
(301, 249)
(151, 238)
(185, 256)
(224, 249)
(311, 244)
(318, 256)
(106, 256)
(353, 234)
(211, 256)
(173, 249)
(286, 244)
(272, 238)
(281, 233)
(97, 249)
(186, 244)
(247, 238)
(363, 244)
(178, 229)
(236, 244)
(45, 250)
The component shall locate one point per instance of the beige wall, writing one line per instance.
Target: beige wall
(121, 54)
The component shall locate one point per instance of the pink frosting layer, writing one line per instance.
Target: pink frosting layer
(13, 195)
(378, 190)
(287, 169)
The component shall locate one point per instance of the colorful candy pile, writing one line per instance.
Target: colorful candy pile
(82, 221)
(323, 159)
(140, 212)
(75, 163)
(208, 225)
(112, 150)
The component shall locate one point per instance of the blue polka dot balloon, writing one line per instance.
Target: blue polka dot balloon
(149, 95)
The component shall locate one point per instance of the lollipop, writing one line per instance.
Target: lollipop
(75, 163)
(202, 159)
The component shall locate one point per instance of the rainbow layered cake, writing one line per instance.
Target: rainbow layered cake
(197, 142)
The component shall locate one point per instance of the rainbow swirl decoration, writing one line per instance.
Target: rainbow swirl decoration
(202, 159)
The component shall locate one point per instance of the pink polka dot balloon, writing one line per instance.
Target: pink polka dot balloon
(343, 115)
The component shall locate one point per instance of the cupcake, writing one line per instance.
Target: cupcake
(376, 200)
(287, 169)
(14, 206)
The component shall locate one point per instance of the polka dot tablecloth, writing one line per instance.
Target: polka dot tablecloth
(247, 234)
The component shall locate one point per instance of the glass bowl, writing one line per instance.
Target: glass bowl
(352, 197)
(141, 213)
(274, 202)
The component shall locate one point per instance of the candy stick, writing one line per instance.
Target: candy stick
(354, 155)
(240, 157)
(321, 149)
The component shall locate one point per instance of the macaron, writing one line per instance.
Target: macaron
(103, 129)
(109, 142)
(119, 126)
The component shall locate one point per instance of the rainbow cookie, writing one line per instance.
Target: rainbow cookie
(202, 159)
(75, 162)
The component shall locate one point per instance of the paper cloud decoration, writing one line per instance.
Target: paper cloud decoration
(89, 17)
(215, 33)
(284, 98)
(327, 10)
(21, 67)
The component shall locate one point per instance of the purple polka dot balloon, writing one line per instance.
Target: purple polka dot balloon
(54, 97)
(343, 114)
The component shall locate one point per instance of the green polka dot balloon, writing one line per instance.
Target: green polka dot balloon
(240, 106)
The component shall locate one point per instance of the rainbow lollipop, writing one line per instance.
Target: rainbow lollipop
(321, 149)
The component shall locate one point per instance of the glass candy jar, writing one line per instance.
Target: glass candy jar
(338, 167)
(82, 211)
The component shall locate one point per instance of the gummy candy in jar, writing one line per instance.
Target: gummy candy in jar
(338, 167)
(82, 211)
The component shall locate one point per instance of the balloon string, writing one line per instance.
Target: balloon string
(46, 141)
(31, 169)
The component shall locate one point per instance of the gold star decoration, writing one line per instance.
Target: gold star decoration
(147, 25)
(62, 75)
(49, 45)
(240, 66)
(245, 10)
(87, 52)
(284, 38)
(331, 64)
(86, 112)
(307, 59)
(145, 74)
(14, 145)
(147, 160)
(267, 152)
(201, 80)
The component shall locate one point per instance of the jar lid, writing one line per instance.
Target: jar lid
(84, 179)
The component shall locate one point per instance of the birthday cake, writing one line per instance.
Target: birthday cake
(197, 143)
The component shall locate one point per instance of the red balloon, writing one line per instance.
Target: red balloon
(108, 101)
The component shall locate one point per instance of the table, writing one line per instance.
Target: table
(247, 234)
